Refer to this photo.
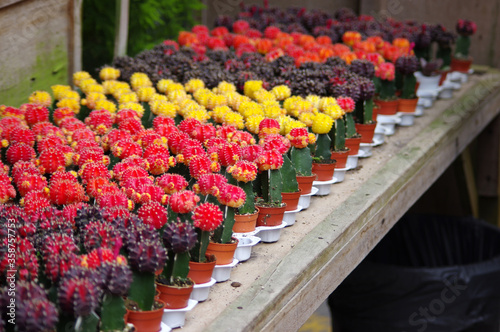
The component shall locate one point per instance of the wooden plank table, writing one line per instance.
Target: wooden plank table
(283, 283)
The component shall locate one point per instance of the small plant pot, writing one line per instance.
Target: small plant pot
(223, 251)
(175, 297)
(290, 216)
(407, 105)
(271, 234)
(245, 223)
(353, 144)
(352, 162)
(305, 183)
(223, 272)
(366, 131)
(305, 200)
(147, 321)
(201, 291)
(460, 65)
(324, 187)
(245, 245)
(270, 215)
(175, 318)
(339, 174)
(201, 273)
(291, 199)
(386, 107)
(324, 171)
(340, 157)
(427, 83)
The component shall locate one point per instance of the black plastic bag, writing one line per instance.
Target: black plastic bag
(430, 273)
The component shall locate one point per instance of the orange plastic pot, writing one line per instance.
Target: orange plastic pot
(366, 131)
(291, 199)
(245, 223)
(387, 107)
(460, 65)
(340, 157)
(201, 273)
(146, 321)
(306, 183)
(407, 105)
(324, 172)
(175, 297)
(271, 216)
(223, 251)
(353, 145)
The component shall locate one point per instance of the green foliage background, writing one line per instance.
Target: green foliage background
(150, 22)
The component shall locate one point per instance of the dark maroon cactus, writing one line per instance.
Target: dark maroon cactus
(407, 64)
(78, 296)
(99, 234)
(366, 88)
(59, 254)
(179, 237)
(34, 312)
(86, 215)
(117, 278)
(145, 251)
(363, 68)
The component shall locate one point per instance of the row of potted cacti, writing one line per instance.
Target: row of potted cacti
(121, 188)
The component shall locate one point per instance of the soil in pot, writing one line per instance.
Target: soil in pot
(146, 321)
(175, 296)
(366, 131)
(223, 251)
(271, 215)
(324, 171)
(201, 273)
(340, 157)
(291, 199)
(245, 223)
(305, 183)
(386, 107)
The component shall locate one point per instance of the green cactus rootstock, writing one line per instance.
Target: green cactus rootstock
(444, 53)
(200, 248)
(271, 186)
(409, 83)
(289, 176)
(350, 127)
(249, 205)
(143, 289)
(368, 111)
(112, 313)
(337, 135)
(323, 143)
(302, 161)
(462, 47)
(387, 90)
(180, 268)
(227, 232)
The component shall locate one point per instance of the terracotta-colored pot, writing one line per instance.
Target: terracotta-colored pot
(175, 297)
(374, 113)
(324, 172)
(306, 183)
(201, 273)
(291, 199)
(223, 251)
(353, 145)
(271, 216)
(460, 65)
(245, 223)
(366, 131)
(146, 321)
(157, 295)
(407, 105)
(340, 157)
(386, 107)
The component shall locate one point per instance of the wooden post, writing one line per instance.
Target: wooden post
(498, 185)
(75, 38)
(470, 181)
(121, 31)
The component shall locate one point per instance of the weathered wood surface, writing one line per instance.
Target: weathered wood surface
(284, 282)
(34, 47)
